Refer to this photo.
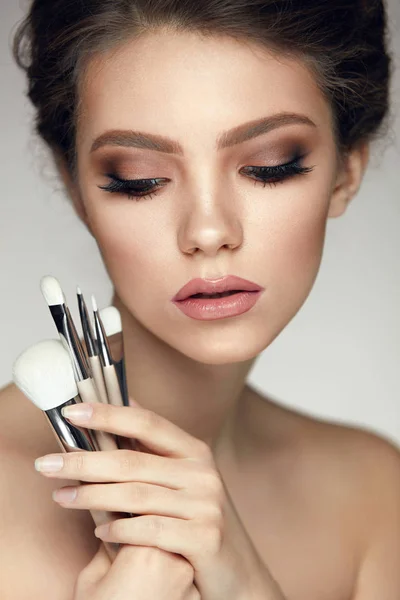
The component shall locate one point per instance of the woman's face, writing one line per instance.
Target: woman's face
(210, 218)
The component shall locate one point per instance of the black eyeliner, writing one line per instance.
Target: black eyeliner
(132, 187)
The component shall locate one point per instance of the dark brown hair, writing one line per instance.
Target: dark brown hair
(343, 42)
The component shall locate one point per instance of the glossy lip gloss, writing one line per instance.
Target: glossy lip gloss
(209, 309)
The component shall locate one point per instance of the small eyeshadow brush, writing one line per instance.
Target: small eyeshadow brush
(92, 348)
(111, 319)
(109, 372)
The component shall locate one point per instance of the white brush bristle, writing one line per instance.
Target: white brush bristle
(94, 303)
(111, 319)
(44, 373)
(51, 290)
(78, 290)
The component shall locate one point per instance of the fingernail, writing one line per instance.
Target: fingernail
(132, 402)
(79, 412)
(102, 530)
(49, 463)
(65, 494)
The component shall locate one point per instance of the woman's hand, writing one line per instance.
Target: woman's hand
(179, 492)
(137, 573)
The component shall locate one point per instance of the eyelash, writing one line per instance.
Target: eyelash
(266, 176)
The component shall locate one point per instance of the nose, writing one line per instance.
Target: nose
(207, 231)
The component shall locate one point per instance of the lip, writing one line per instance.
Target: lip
(215, 286)
(209, 309)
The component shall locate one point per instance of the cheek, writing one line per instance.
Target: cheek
(133, 250)
(305, 243)
(297, 247)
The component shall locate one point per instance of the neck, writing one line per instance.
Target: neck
(207, 401)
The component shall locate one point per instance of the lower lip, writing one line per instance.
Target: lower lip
(208, 309)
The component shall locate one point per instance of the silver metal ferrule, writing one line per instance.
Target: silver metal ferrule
(88, 334)
(70, 437)
(118, 358)
(74, 439)
(103, 347)
(70, 339)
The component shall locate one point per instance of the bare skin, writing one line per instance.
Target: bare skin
(321, 502)
(299, 485)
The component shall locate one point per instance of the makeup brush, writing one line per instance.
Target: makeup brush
(44, 373)
(111, 319)
(92, 349)
(55, 299)
(109, 372)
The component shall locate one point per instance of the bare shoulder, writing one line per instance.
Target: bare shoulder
(368, 466)
(355, 449)
(353, 473)
(16, 412)
(372, 463)
(345, 454)
(42, 546)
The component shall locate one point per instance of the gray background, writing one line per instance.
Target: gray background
(338, 359)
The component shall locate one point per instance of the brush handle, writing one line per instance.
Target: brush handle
(98, 378)
(114, 393)
(104, 439)
(72, 438)
(121, 373)
(112, 386)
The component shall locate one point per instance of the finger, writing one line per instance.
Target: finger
(128, 465)
(195, 541)
(138, 498)
(154, 431)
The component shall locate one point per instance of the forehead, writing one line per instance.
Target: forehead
(166, 82)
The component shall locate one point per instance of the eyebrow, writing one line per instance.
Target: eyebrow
(227, 139)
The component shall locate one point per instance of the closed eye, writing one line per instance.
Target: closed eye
(142, 188)
(139, 188)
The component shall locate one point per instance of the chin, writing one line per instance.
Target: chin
(221, 348)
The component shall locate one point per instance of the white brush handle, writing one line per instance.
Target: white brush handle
(98, 378)
(112, 386)
(104, 439)
(115, 398)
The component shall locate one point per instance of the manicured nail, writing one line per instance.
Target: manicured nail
(102, 530)
(49, 463)
(65, 494)
(78, 412)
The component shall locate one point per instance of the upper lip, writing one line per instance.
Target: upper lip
(215, 286)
